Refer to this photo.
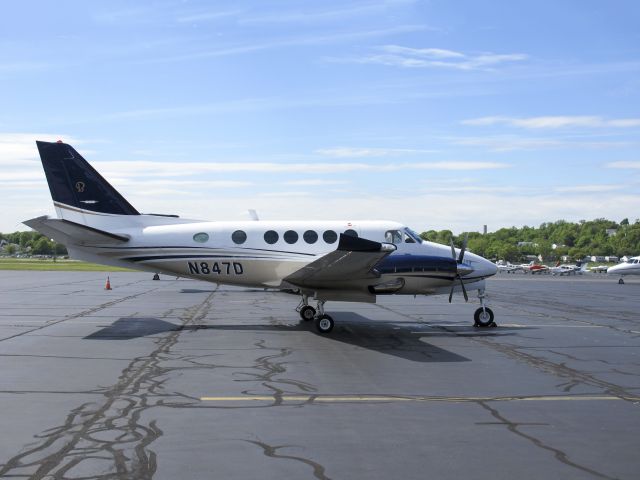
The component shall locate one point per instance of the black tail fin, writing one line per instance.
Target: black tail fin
(75, 183)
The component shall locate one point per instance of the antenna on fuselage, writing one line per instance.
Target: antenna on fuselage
(254, 215)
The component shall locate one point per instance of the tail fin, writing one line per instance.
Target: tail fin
(76, 185)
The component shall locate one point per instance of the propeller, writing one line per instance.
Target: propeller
(458, 261)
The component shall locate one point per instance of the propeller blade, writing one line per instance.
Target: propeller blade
(463, 249)
(453, 249)
(464, 290)
(451, 291)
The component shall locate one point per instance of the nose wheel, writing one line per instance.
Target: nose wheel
(483, 317)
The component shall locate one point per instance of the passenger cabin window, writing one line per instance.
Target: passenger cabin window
(330, 236)
(271, 237)
(239, 237)
(290, 236)
(310, 236)
(351, 233)
(201, 237)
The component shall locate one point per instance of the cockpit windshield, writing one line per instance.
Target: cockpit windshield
(410, 234)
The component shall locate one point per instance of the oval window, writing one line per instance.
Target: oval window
(310, 236)
(290, 236)
(351, 233)
(330, 236)
(239, 237)
(271, 237)
(201, 237)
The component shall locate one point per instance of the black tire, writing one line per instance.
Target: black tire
(621, 282)
(307, 313)
(324, 324)
(483, 318)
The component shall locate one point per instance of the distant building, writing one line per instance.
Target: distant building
(611, 258)
(527, 244)
(598, 258)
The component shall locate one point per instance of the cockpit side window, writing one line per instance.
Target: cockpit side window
(393, 236)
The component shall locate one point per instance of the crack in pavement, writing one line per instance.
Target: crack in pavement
(271, 451)
(111, 433)
(557, 453)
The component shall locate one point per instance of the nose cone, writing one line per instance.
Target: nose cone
(615, 269)
(481, 266)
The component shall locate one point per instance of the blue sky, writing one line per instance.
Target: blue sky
(437, 114)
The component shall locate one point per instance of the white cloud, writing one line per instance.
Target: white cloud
(346, 152)
(143, 168)
(629, 165)
(408, 57)
(208, 16)
(506, 143)
(315, 182)
(326, 39)
(555, 122)
(589, 188)
(318, 16)
(20, 148)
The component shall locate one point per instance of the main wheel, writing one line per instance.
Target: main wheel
(324, 324)
(621, 282)
(307, 313)
(483, 317)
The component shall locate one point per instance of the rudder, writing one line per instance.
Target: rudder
(76, 184)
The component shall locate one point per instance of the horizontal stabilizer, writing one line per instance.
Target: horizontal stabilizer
(353, 260)
(71, 233)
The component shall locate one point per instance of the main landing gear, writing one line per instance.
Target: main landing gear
(621, 281)
(483, 317)
(323, 322)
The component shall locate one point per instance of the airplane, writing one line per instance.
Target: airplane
(599, 269)
(508, 268)
(569, 269)
(630, 267)
(352, 261)
(539, 269)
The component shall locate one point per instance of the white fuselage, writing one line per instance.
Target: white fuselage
(263, 253)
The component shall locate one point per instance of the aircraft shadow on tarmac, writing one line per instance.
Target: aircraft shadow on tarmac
(399, 339)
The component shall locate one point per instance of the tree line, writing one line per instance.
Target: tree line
(552, 241)
(32, 243)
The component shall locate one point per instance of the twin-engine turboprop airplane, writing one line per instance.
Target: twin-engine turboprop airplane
(339, 260)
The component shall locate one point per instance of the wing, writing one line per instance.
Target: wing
(71, 233)
(353, 260)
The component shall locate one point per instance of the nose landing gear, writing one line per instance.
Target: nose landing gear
(483, 317)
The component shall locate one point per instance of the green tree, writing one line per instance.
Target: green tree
(42, 246)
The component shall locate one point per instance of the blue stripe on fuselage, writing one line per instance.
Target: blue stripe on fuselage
(399, 263)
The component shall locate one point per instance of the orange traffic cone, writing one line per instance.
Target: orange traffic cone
(108, 285)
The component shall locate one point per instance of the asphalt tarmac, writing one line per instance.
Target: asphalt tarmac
(178, 379)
